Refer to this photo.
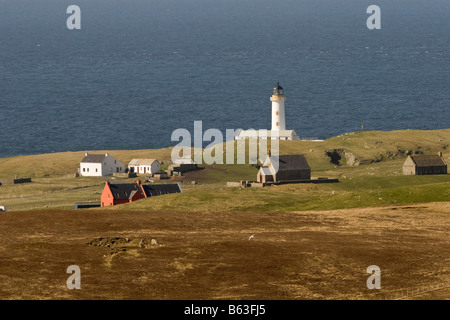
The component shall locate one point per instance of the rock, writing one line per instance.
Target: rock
(154, 242)
(351, 159)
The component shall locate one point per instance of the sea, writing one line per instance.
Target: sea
(137, 70)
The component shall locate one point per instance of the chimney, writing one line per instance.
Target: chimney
(86, 154)
(440, 154)
(142, 188)
(106, 154)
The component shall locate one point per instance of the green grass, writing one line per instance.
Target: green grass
(378, 181)
(361, 192)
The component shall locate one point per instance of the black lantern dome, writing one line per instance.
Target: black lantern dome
(278, 90)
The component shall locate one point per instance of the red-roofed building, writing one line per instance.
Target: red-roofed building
(117, 193)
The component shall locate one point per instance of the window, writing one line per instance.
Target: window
(84, 169)
(277, 113)
(87, 169)
(277, 124)
(96, 170)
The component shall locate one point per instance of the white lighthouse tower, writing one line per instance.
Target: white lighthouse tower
(278, 130)
(278, 116)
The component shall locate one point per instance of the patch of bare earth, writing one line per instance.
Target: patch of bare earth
(162, 255)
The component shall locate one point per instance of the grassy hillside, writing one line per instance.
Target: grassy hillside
(368, 165)
(311, 241)
(65, 163)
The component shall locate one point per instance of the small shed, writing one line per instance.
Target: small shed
(86, 205)
(425, 165)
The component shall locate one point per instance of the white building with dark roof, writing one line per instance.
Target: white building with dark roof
(99, 165)
(144, 166)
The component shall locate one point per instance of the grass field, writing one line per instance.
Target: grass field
(311, 241)
(377, 180)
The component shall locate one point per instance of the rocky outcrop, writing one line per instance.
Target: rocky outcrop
(336, 156)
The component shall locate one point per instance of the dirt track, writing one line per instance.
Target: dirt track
(304, 255)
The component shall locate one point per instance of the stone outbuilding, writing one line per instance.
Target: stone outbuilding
(290, 168)
(424, 165)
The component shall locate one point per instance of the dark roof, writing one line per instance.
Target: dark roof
(158, 189)
(94, 158)
(124, 191)
(278, 89)
(428, 161)
(293, 162)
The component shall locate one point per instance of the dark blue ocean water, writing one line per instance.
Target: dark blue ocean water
(139, 69)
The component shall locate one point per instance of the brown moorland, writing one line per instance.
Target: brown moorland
(200, 255)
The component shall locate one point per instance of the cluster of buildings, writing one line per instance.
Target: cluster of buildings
(102, 165)
(286, 169)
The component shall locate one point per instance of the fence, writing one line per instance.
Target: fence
(15, 181)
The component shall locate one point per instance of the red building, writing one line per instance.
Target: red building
(117, 193)
(121, 193)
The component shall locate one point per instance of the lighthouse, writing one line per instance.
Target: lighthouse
(278, 130)
(278, 116)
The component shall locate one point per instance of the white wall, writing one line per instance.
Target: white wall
(278, 106)
(106, 168)
(110, 166)
(90, 169)
(151, 169)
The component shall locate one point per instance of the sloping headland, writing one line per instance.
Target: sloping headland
(299, 241)
(368, 165)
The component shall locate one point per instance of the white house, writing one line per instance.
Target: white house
(98, 165)
(144, 166)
